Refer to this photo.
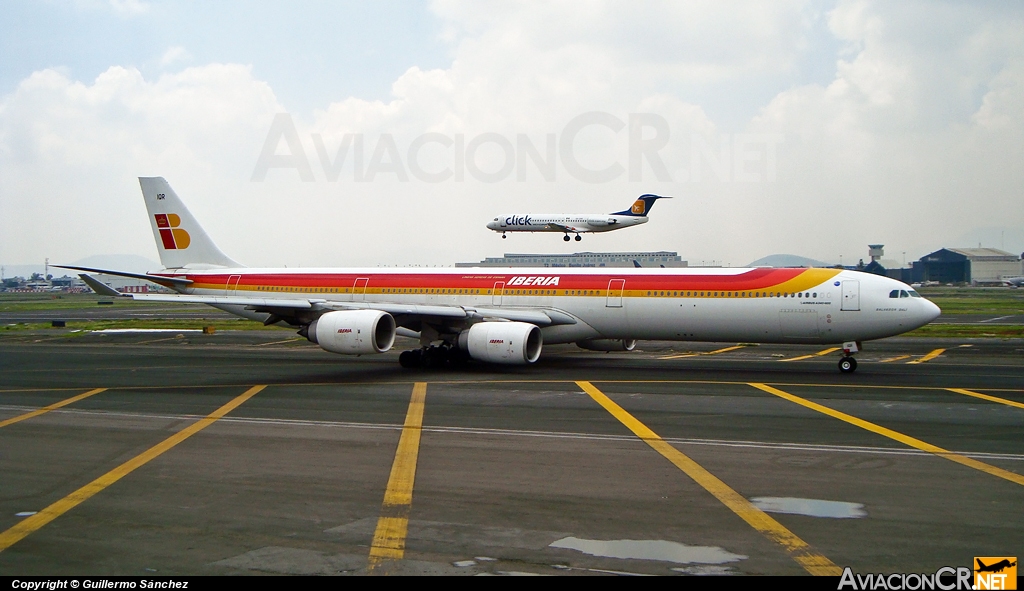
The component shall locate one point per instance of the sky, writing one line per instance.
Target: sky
(373, 134)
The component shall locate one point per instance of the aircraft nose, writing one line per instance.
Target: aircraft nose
(930, 312)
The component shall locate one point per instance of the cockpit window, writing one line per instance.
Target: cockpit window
(894, 293)
(904, 294)
(914, 294)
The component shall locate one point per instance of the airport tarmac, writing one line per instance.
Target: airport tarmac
(169, 453)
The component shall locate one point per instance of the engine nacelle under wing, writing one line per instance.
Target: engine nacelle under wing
(607, 344)
(353, 332)
(513, 343)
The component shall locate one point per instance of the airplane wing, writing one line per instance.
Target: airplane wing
(563, 228)
(538, 316)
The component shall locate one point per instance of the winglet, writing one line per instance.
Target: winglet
(100, 287)
(642, 206)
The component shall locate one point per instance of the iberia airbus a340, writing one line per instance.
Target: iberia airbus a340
(507, 315)
(576, 223)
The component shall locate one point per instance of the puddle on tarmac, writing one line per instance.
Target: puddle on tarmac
(810, 507)
(649, 550)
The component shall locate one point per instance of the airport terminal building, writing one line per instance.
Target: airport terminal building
(583, 259)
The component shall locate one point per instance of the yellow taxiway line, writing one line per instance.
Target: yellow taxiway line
(896, 358)
(799, 550)
(733, 348)
(927, 357)
(393, 524)
(55, 510)
(818, 354)
(54, 406)
(904, 439)
(987, 397)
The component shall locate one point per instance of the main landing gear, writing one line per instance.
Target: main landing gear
(848, 364)
(433, 358)
(578, 238)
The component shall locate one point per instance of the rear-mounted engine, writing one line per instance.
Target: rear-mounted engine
(514, 343)
(353, 332)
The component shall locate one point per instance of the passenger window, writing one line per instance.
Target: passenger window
(894, 293)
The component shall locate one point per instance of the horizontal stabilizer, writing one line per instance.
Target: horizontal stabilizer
(159, 279)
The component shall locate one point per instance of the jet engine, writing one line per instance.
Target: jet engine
(353, 332)
(607, 344)
(513, 343)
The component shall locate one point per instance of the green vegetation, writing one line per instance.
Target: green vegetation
(976, 300)
(27, 302)
(969, 331)
(84, 327)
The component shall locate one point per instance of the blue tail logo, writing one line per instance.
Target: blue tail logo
(642, 206)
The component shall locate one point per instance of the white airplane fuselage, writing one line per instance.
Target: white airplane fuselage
(547, 222)
(812, 306)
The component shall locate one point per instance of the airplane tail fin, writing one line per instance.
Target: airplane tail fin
(642, 206)
(180, 240)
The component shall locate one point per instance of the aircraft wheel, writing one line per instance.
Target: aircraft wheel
(410, 359)
(578, 238)
(847, 365)
(566, 238)
(433, 358)
(503, 236)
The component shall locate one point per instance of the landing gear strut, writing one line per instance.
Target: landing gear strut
(433, 358)
(848, 364)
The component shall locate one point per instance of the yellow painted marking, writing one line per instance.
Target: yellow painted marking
(799, 550)
(896, 358)
(47, 409)
(291, 340)
(34, 522)
(733, 348)
(393, 524)
(927, 357)
(904, 439)
(987, 397)
(818, 354)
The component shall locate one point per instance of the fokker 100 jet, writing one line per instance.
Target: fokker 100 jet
(507, 315)
(570, 223)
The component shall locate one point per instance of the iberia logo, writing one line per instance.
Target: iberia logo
(995, 572)
(638, 206)
(173, 237)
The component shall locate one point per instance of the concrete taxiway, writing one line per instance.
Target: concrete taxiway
(256, 452)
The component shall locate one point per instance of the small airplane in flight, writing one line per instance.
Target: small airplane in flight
(576, 223)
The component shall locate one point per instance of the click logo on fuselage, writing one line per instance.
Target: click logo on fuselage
(518, 220)
(173, 237)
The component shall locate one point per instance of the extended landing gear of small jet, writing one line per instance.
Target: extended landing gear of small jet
(433, 358)
(578, 238)
(848, 364)
(566, 237)
(503, 235)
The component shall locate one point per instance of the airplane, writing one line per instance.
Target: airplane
(505, 316)
(995, 567)
(1014, 281)
(576, 223)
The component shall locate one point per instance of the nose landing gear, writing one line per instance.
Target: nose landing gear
(848, 364)
(503, 236)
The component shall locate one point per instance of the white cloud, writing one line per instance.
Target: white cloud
(916, 137)
(174, 54)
